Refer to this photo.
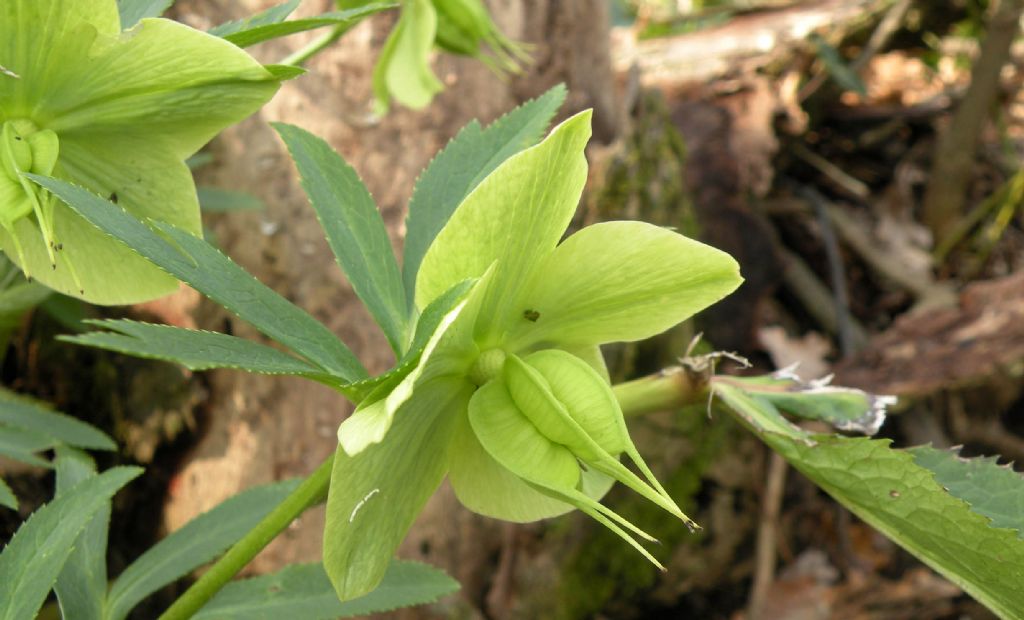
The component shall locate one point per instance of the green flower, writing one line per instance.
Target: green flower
(117, 112)
(460, 27)
(511, 398)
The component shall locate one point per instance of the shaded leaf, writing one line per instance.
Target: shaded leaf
(271, 25)
(31, 561)
(33, 415)
(7, 497)
(194, 349)
(131, 11)
(303, 591)
(81, 587)
(214, 200)
(196, 543)
(206, 269)
(993, 490)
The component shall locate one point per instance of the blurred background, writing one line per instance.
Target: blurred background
(860, 158)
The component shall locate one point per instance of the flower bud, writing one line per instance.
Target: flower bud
(550, 413)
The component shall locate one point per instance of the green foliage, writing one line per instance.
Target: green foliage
(214, 200)
(472, 155)
(354, 229)
(32, 560)
(205, 268)
(82, 584)
(271, 24)
(887, 489)
(196, 543)
(303, 591)
(195, 349)
(131, 11)
(993, 490)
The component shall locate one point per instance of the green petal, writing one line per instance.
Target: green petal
(403, 70)
(42, 42)
(159, 79)
(622, 281)
(376, 495)
(449, 353)
(475, 476)
(512, 439)
(109, 272)
(585, 395)
(145, 178)
(515, 217)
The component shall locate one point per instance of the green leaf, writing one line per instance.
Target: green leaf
(304, 591)
(132, 11)
(195, 349)
(214, 200)
(620, 281)
(21, 445)
(377, 494)
(31, 561)
(354, 227)
(515, 217)
(847, 409)
(196, 543)
(260, 28)
(903, 500)
(34, 415)
(7, 497)
(210, 272)
(993, 490)
(472, 155)
(82, 584)
(274, 15)
(845, 77)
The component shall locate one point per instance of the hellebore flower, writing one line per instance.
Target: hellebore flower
(461, 27)
(511, 397)
(118, 113)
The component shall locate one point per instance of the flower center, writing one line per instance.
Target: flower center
(24, 147)
(487, 366)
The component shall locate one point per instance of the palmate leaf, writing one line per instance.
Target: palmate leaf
(303, 591)
(210, 272)
(888, 490)
(195, 349)
(132, 11)
(993, 490)
(196, 543)
(30, 563)
(473, 154)
(271, 23)
(354, 228)
(81, 587)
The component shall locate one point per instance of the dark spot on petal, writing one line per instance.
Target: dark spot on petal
(531, 315)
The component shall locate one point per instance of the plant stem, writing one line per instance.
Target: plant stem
(300, 56)
(953, 160)
(310, 493)
(671, 388)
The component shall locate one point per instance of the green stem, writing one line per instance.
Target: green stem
(314, 47)
(310, 493)
(671, 388)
